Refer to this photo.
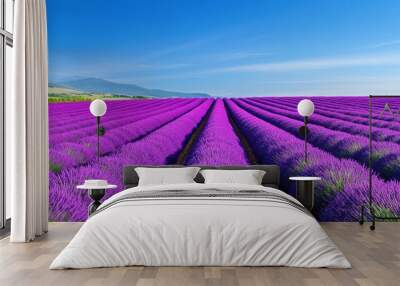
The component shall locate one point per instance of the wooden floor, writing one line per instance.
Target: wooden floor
(375, 257)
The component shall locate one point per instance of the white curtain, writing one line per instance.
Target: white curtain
(27, 124)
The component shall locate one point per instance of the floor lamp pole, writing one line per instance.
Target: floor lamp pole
(305, 139)
(98, 137)
(305, 108)
(98, 108)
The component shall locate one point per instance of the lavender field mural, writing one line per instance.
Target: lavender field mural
(239, 131)
(218, 83)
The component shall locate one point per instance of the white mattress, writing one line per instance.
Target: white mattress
(200, 231)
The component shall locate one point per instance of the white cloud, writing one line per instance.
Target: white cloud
(385, 44)
(317, 64)
(340, 86)
(233, 56)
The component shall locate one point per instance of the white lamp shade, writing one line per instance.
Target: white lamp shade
(98, 107)
(305, 107)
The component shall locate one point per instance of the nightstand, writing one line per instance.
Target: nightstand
(305, 190)
(96, 193)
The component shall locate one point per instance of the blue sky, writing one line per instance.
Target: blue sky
(230, 48)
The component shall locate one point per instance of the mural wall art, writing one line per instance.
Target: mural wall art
(218, 83)
(240, 131)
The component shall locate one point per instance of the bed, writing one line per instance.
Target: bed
(199, 224)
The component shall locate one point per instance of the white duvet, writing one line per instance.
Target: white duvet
(200, 231)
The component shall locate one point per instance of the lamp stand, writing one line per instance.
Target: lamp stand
(305, 139)
(98, 137)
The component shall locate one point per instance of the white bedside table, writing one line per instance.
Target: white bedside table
(96, 194)
(305, 190)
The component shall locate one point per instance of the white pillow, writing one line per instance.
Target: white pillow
(248, 177)
(165, 176)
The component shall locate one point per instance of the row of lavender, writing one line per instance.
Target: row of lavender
(345, 182)
(161, 131)
(76, 146)
(341, 143)
(162, 146)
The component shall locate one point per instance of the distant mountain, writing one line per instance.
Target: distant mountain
(98, 85)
